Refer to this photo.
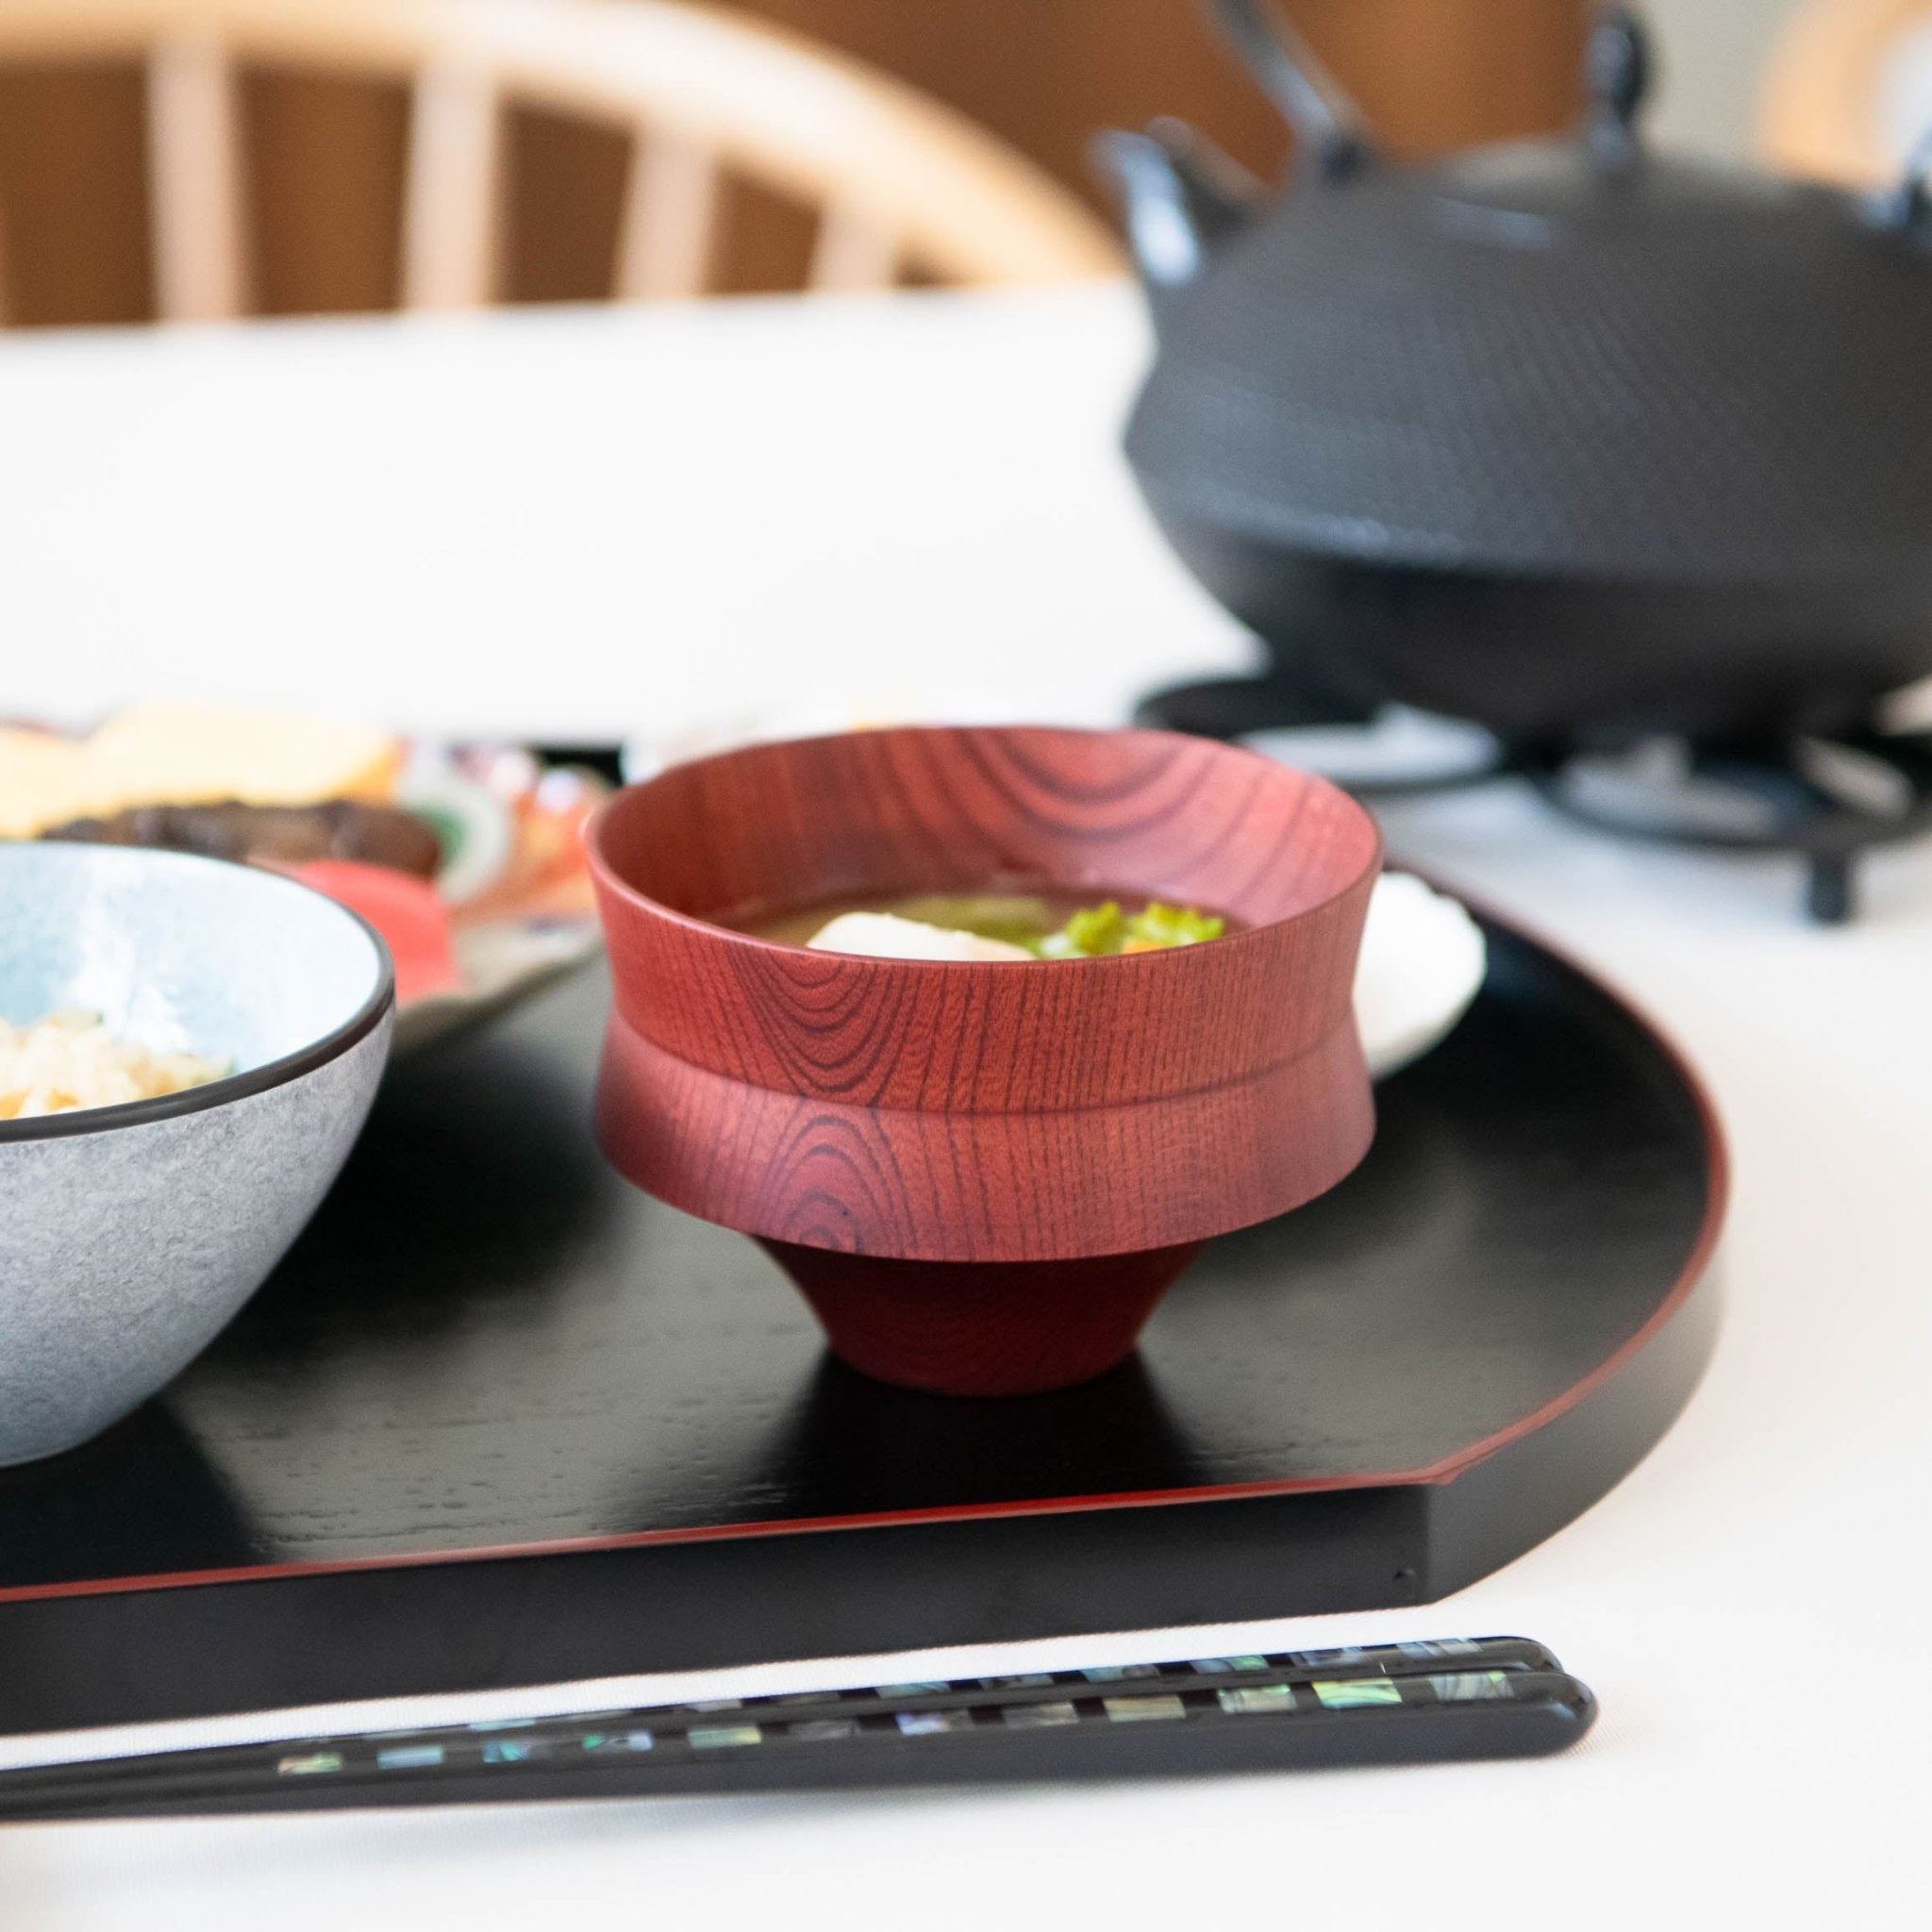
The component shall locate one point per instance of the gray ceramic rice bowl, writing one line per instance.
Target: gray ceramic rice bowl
(130, 1235)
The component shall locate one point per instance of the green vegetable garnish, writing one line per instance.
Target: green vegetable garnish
(1173, 926)
(1087, 935)
(1101, 931)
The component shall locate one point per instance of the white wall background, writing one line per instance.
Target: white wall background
(1712, 55)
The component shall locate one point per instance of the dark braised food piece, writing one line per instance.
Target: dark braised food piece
(287, 834)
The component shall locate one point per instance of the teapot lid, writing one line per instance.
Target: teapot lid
(1555, 356)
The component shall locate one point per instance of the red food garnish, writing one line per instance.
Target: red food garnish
(413, 920)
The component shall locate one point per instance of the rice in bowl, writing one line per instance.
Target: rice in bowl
(69, 1060)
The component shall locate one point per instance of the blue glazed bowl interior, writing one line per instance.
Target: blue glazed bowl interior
(180, 954)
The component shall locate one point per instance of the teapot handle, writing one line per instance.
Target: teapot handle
(1325, 121)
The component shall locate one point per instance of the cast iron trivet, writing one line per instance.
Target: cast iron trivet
(1827, 798)
(489, 1348)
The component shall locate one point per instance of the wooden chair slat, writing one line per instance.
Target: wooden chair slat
(670, 218)
(452, 203)
(854, 250)
(195, 168)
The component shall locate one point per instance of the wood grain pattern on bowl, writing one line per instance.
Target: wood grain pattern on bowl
(984, 1112)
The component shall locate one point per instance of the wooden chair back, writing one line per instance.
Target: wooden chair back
(898, 183)
(1849, 89)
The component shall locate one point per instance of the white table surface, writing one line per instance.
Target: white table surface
(575, 523)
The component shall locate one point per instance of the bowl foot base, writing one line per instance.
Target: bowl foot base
(982, 1327)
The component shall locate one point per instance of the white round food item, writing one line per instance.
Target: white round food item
(885, 936)
(1422, 962)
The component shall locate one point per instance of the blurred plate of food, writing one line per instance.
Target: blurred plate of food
(468, 858)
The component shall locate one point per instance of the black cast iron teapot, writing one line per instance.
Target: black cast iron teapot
(1559, 437)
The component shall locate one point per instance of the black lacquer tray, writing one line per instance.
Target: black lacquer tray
(499, 1419)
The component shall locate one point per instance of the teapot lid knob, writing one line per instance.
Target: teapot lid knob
(1617, 68)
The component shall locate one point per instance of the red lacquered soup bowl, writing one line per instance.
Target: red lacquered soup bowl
(984, 1175)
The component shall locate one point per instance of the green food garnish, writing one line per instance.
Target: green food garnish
(1101, 931)
(1087, 935)
(1175, 925)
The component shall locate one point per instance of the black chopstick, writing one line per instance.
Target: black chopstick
(1455, 1698)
